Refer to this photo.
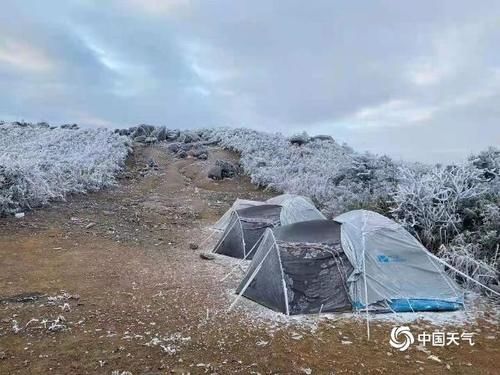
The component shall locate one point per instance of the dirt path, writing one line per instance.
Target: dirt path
(130, 294)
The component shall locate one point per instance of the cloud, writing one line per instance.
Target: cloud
(413, 80)
(157, 8)
(21, 55)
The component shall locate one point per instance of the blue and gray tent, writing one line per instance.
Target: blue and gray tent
(360, 260)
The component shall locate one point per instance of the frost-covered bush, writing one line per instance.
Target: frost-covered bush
(455, 209)
(333, 175)
(39, 164)
(431, 202)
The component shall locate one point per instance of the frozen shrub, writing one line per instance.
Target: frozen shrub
(333, 175)
(432, 203)
(39, 164)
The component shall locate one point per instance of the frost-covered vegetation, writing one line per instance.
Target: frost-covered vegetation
(39, 163)
(454, 210)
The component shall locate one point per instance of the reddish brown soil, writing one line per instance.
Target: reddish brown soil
(124, 256)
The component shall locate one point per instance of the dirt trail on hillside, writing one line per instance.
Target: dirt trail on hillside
(107, 282)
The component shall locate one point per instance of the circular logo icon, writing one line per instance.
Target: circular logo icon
(401, 338)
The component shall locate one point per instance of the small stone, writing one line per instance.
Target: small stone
(89, 225)
(3, 355)
(193, 246)
(19, 215)
(207, 256)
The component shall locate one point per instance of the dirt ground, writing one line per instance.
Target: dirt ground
(107, 283)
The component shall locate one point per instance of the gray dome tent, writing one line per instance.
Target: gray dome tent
(245, 227)
(238, 204)
(372, 262)
(300, 268)
(296, 208)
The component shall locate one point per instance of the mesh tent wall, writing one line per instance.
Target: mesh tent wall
(300, 268)
(245, 229)
(238, 204)
(392, 267)
(296, 208)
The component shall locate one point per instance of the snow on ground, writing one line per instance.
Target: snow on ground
(257, 314)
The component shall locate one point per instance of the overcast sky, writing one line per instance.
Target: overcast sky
(418, 80)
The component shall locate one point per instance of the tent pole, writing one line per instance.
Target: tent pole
(287, 308)
(366, 305)
(364, 276)
(242, 233)
(247, 284)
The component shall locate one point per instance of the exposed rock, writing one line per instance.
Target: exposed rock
(162, 134)
(299, 139)
(207, 256)
(215, 173)
(228, 169)
(144, 129)
(69, 126)
(150, 140)
(189, 137)
(174, 147)
(140, 138)
(173, 134)
(123, 131)
(322, 137)
(197, 151)
(193, 246)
